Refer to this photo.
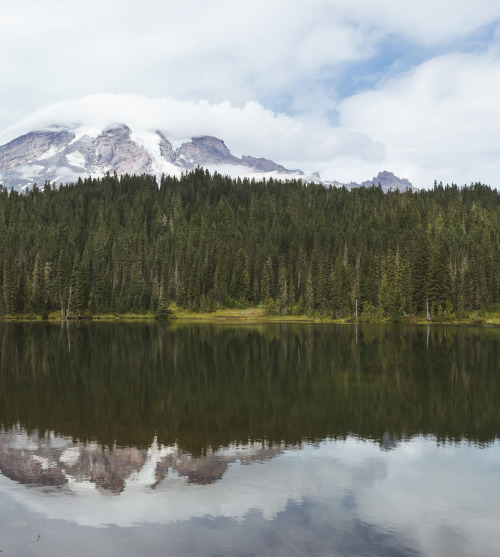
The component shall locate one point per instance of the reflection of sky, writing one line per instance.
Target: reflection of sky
(436, 500)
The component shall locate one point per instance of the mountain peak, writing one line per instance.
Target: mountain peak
(63, 154)
(207, 151)
(388, 181)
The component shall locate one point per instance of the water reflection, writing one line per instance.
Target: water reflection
(346, 497)
(52, 460)
(206, 386)
(249, 440)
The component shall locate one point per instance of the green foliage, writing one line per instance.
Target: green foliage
(369, 313)
(272, 307)
(206, 241)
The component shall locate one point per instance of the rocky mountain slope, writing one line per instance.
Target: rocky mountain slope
(387, 180)
(62, 155)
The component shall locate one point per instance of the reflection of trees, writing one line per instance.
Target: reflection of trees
(205, 385)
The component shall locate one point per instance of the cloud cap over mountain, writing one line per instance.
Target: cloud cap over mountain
(251, 130)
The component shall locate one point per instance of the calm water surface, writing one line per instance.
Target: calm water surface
(194, 439)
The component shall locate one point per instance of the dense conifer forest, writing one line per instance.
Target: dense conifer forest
(129, 244)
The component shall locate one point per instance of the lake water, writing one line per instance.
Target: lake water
(179, 439)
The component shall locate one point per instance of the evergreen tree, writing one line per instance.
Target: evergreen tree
(105, 244)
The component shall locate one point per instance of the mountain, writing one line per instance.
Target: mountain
(63, 154)
(387, 180)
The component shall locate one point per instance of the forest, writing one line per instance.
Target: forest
(203, 241)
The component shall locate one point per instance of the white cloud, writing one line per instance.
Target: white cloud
(249, 130)
(426, 22)
(188, 50)
(440, 121)
(214, 50)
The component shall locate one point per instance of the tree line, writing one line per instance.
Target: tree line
(204, 241)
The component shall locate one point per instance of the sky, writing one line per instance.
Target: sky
(344, 87)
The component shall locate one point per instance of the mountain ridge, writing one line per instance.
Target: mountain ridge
(60, 154)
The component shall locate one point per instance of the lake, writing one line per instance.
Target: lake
(182, 438)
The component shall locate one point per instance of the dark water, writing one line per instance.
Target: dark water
(197, 439)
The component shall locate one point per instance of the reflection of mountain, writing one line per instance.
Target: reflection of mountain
(55, 461)
(389, 441)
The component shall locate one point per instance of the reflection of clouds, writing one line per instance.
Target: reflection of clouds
(446, 498)
(439, 500)
(252, 477)
(175, 499)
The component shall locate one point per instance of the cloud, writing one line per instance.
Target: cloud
(426, 22)
(211, 50)
(439, 121)
(250, 129)
(187, 50)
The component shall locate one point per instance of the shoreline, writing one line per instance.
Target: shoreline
(251, 315)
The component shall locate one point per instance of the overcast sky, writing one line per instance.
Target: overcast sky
(344, 87)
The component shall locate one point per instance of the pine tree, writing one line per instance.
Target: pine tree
(267, 280)
(163, 309)
(283, 288)
(309, 293)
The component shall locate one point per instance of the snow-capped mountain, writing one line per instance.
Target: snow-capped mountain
(61, 155)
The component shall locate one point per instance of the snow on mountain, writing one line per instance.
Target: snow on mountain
(61, 154)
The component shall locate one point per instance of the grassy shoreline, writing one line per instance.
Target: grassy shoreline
(257, 315)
